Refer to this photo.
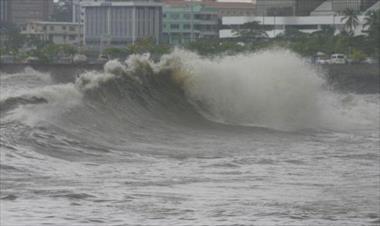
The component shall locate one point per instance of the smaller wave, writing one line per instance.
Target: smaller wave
(27, 74)
(274, 89)
(13, 102)
(44, 103)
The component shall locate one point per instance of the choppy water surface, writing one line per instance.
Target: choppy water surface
(189, 141)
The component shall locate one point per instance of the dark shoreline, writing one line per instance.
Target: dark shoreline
(360, 78)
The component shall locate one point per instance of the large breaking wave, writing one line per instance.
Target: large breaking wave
(273, 89)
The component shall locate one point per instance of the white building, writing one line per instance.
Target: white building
(118, 23)
(56, 32)
(334, 7)
(277, 25)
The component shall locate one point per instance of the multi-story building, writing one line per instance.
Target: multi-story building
(4, 11)
(121, 22)
(232, 8)
(278, 25)
(23, 11)
(56, 32)
(223, 8)
(188, 21)
(286, 7)
(78, 11)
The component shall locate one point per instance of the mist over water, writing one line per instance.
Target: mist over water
(252, 139)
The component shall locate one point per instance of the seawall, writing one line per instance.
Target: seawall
(59, 72)
(361, 78)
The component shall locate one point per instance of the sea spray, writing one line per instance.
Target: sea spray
(274, 88)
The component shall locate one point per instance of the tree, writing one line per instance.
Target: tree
(351, 21)
(358, 55)
(63, 11)
(116, 52)
(11, 38)
(51, 52)
(209, 47)
(251, 31)
(147, 45)
(372, 26)
(292, 34)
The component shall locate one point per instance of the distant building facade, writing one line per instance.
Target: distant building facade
(56, 32)
(78, 10)
(278, 25)
(232, 8)
(4, 11)
(120, 22)
(286, 7)
(185, 22)
(23, 11)
(222, 8)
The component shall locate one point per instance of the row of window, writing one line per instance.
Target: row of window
(71, 28)
(177, 26)
(188, 27)
(52, 28)
(187, 16)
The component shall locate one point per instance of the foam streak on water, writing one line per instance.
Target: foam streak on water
(256, 139)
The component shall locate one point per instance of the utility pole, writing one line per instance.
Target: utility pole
(274, 22)
(192, 22)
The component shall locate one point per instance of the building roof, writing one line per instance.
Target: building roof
(374, 7)
(326, 8)
(214, 4)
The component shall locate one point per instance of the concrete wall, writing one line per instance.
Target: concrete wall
(361, 78)
(61, 73)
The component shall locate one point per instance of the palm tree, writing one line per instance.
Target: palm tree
(372, 21)
(372, 28)
(351, 20)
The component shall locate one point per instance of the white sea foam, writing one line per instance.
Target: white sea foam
(60, 98)
(274, 88)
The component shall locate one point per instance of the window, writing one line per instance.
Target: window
(174, 16)
(51, 28)
(72, 28)
(187, 16)
(174, 26)
(72, 37)
(63, 27)
(186, 26)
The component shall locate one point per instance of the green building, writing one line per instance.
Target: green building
(185, 22)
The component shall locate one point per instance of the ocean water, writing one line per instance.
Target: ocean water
(256, 139)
